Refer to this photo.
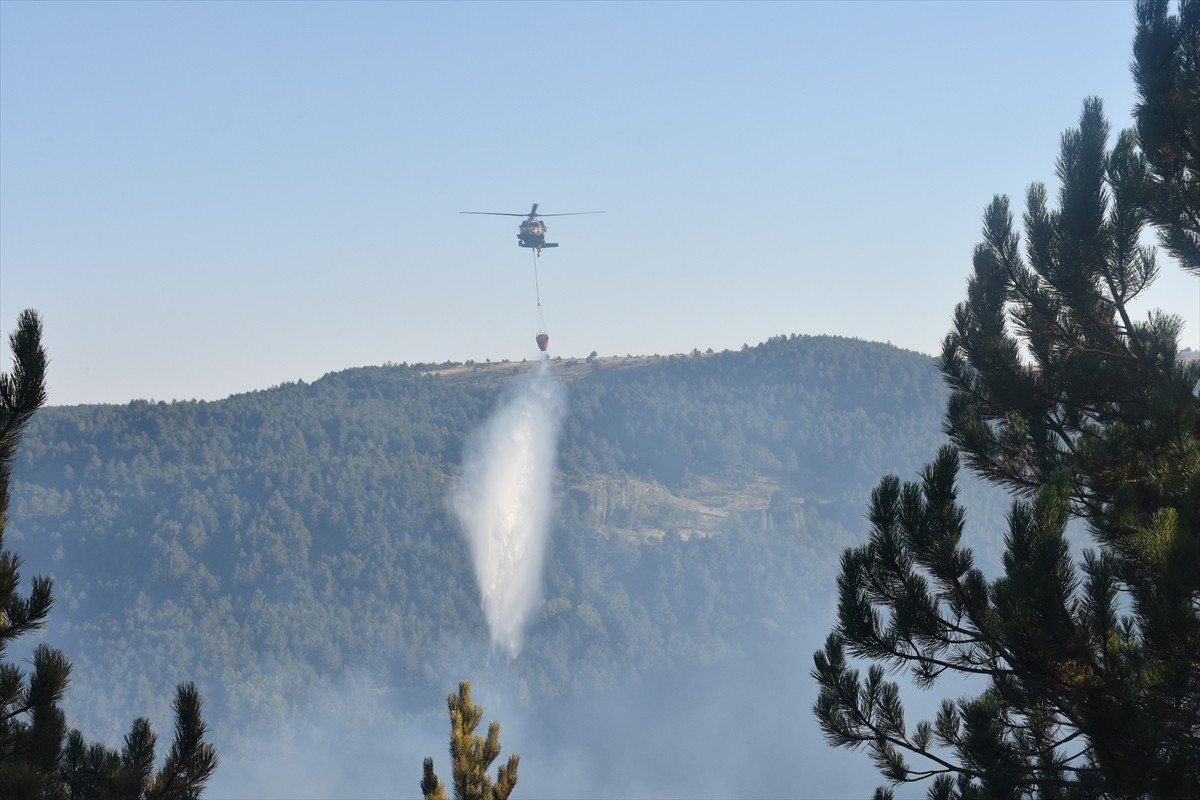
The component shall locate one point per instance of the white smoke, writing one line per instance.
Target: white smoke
(502, 501)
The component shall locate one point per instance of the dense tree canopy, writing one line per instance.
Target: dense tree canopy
(279, 538)
(1063, 397)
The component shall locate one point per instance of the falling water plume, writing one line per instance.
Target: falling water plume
(502, 500)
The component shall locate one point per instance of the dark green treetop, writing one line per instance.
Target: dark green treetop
(31, 724)
(1166, 69)
(38, 758)
(1081, 410)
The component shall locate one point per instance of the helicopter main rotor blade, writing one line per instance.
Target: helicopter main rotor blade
(531, 214)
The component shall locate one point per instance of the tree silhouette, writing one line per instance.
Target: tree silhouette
(1059, 395)
(38, 759)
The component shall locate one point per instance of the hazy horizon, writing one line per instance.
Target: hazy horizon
(209, 198)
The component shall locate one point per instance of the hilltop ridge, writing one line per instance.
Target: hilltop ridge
(278, 538)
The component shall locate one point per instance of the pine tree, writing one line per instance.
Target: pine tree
(471, 756)
(1166, 70)
(38, 758)
(1058, 394)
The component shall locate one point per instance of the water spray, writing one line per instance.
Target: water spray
(503, 500)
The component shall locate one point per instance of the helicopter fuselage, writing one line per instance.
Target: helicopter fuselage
(533, 234)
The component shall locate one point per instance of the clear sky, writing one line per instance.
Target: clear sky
(210, 198)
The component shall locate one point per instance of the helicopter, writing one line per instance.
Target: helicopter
(532, 232)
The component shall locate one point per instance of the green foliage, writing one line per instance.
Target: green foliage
(31, 724)
(38, 758)
(471, 756)
(1166, 69)
(1092, 673)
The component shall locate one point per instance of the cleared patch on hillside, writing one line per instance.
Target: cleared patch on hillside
(638, 510)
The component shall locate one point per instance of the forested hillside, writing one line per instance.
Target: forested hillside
(264, 543)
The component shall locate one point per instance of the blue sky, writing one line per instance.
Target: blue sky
(210, 198)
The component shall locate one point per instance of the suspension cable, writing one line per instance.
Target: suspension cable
(538, 293)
